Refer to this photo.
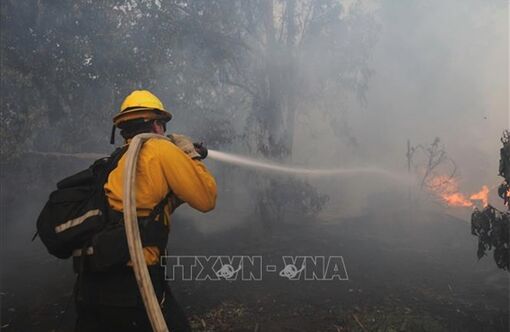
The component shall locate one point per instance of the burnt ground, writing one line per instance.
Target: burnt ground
(406, 273)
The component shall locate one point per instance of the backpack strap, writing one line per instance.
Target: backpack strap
(113, 161)
(159, 209)
(153, 229)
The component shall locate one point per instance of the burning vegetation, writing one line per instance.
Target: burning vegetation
(447, 189)
(438, 176)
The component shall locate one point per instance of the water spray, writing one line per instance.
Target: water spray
(281, 168)
(263, 165)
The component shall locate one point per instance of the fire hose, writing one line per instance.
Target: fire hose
(133, 234)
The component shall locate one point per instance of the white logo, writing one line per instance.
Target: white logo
(290, 271)
(250, 268)
(227, 271)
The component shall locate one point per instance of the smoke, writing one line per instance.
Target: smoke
(418, 70)
(393, 71)
(410, 71)
(441, 71)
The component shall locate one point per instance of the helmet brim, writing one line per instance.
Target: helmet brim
(142, 113)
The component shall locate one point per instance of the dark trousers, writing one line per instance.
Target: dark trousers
(92, 318)
(111, 302)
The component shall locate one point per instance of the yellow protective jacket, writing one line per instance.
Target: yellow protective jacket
(162, 167)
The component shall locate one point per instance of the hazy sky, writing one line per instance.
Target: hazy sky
(441, 69)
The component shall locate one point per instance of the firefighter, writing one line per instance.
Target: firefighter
(168, 174)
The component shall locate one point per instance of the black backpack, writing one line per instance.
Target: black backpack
(78, 209)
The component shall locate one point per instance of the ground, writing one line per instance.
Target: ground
(406, 273)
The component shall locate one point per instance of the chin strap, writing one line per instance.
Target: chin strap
(112, 137)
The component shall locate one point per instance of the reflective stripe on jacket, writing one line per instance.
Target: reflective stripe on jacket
(162, 167)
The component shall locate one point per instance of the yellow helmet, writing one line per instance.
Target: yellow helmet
(141, 104)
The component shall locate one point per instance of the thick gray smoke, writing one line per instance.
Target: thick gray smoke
(404, 71)
(440, 69)
(320, 97)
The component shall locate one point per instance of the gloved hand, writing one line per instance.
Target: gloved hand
(185, 144)
(201, 150)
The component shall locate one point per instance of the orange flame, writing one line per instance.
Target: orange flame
(482, 195)
(456, 199)
(448, 190)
